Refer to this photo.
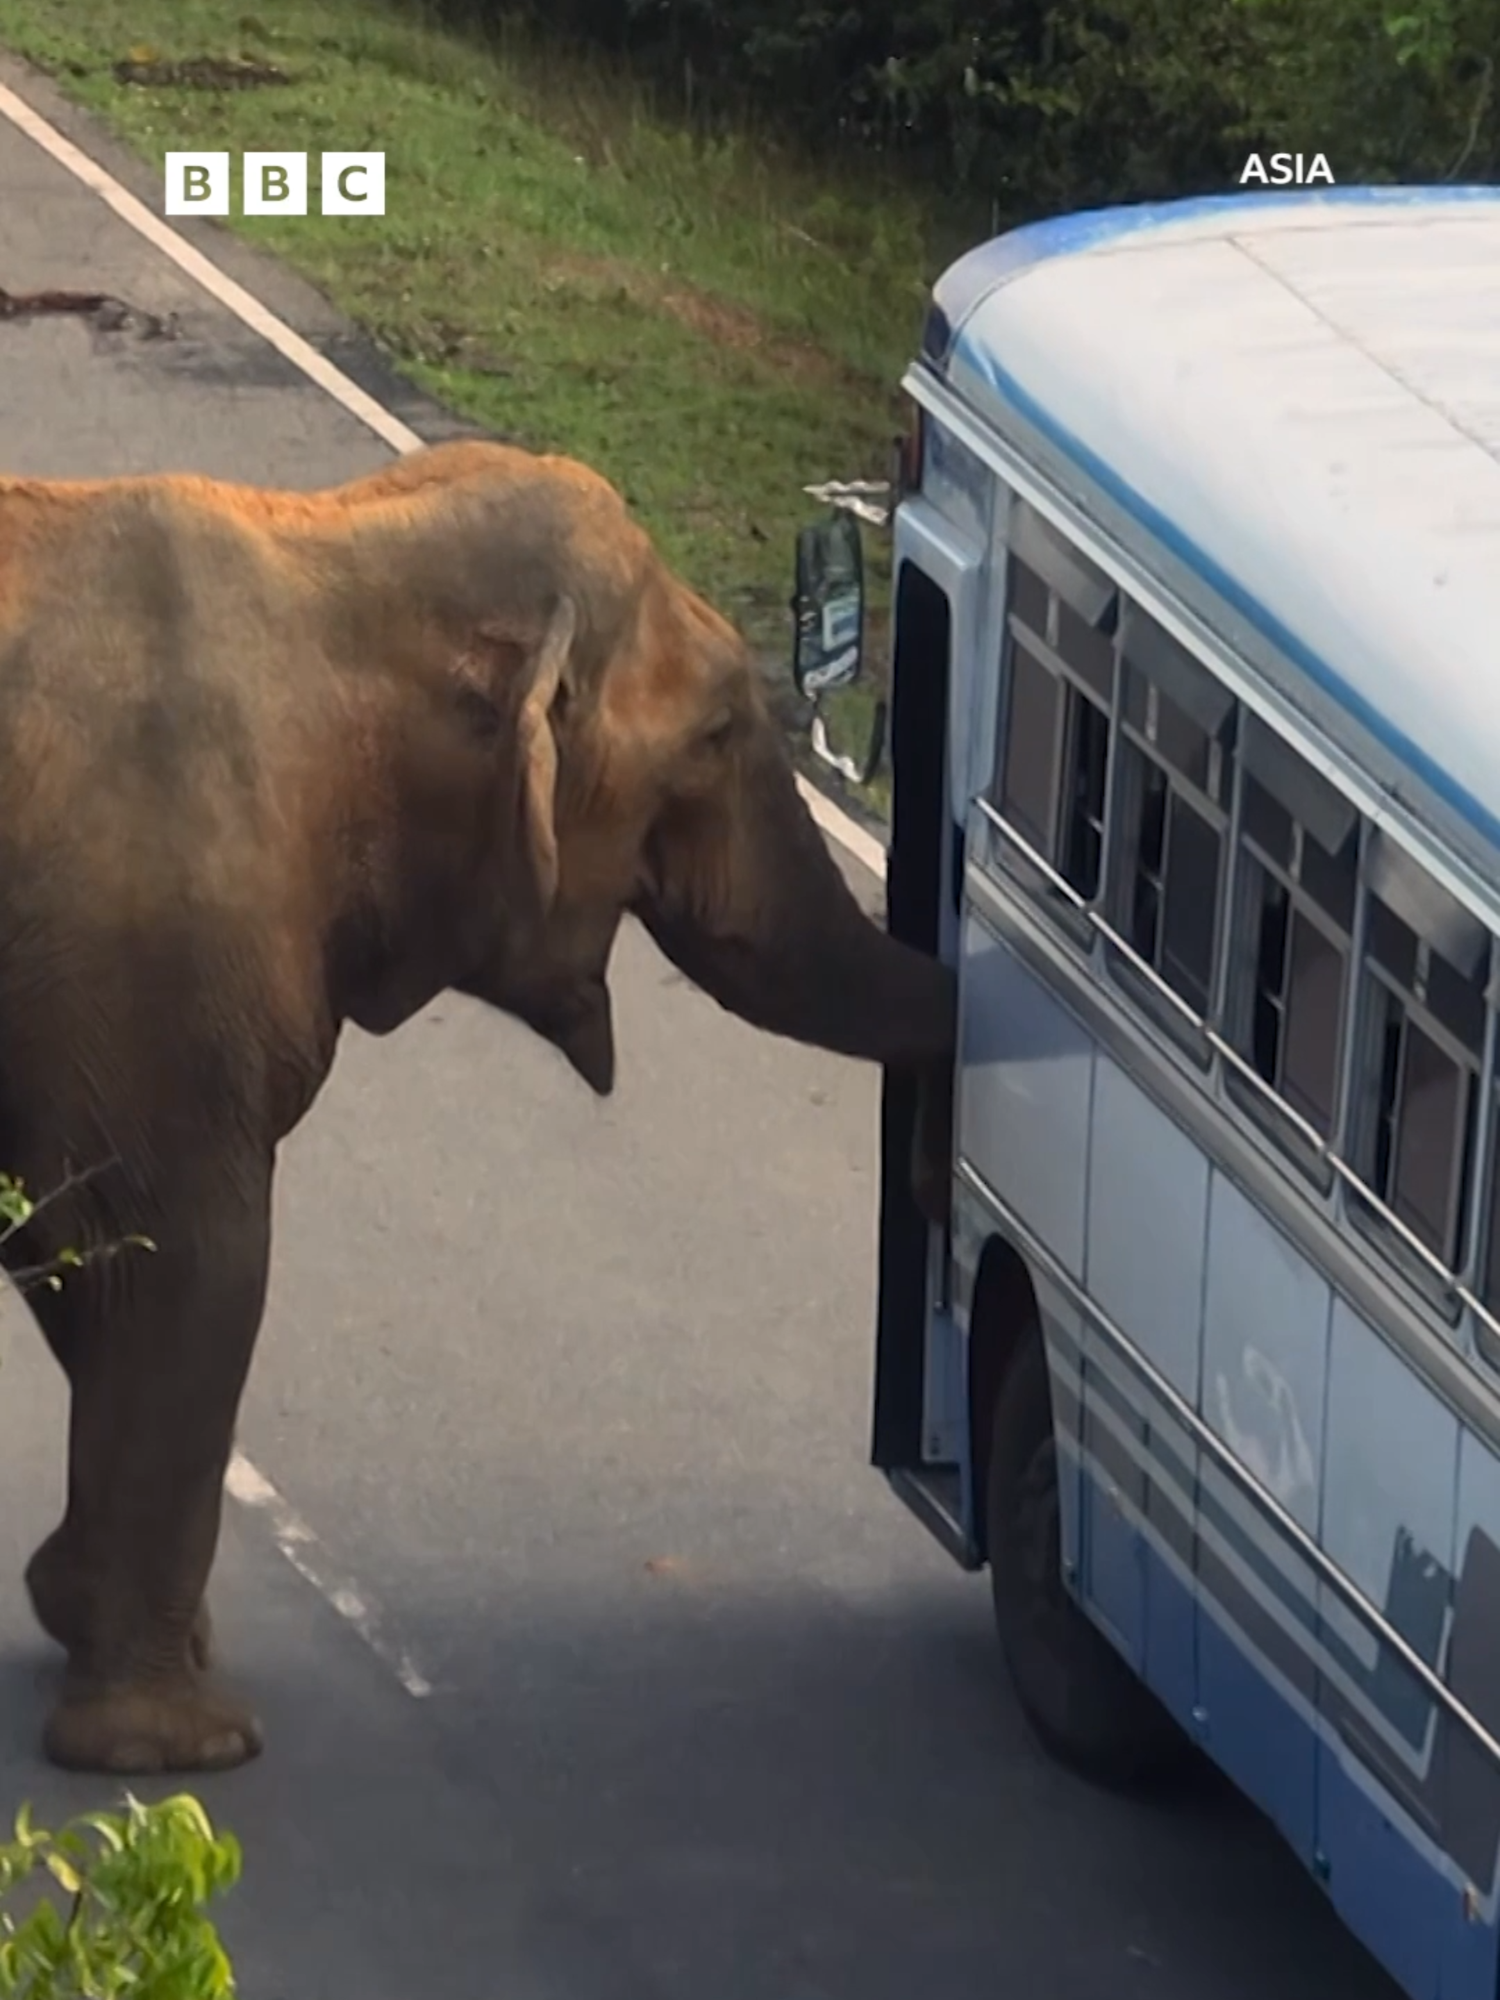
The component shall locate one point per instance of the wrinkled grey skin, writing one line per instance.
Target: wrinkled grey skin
(271, 762)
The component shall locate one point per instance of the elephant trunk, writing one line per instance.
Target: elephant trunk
(851, 989)
(751, 906)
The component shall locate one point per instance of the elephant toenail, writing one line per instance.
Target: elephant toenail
(134, 1759)
(226, 1750)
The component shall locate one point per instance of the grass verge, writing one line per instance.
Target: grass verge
(711, 323)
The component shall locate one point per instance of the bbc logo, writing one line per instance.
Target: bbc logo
(275, 184)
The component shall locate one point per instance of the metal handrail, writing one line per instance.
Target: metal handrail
(1316, 1557)
(1231, 1057)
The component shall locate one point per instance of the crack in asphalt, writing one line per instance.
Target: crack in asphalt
(109, 314)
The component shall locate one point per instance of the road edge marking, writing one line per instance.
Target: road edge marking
(838, 826)
(835, 823)
(206, 274)
(302, 1549)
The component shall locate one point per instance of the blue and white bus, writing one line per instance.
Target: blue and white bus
(1195, 741)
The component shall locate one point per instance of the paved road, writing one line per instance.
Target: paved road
(576, 1395)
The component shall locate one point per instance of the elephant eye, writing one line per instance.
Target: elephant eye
(479, 713)
(719, 730)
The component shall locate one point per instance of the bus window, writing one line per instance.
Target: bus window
(1028, 774)
(1058, 669)
(1299, 856)
(1087, 769)
(1174, 726)
(1424, 1050)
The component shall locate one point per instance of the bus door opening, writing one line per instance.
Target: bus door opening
(921, 665)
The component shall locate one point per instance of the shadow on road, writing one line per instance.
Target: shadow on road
(668, 1793)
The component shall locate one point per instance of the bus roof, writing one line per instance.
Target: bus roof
(1298, 395)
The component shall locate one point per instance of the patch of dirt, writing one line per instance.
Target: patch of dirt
(716, 319)
(108, 314)
(737, 328)
(727, 325)
(199, 72)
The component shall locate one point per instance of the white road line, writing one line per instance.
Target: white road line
(304, 1552)
(837, 825)
(207, 274)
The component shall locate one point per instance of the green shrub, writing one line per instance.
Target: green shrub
(132, 1888)
(1041, 107)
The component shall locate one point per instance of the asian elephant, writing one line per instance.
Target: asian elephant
(274, 761)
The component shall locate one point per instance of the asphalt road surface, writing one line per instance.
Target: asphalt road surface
(638, 1685)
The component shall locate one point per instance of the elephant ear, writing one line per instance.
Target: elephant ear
(544, 676)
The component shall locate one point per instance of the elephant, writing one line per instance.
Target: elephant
(278, 761)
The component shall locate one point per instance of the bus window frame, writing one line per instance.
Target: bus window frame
(1328, 1159)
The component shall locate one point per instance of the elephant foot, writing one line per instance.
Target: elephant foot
(60, 1604)
(179, 1725)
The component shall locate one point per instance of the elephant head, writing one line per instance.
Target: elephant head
(644, 775)
(660, 786)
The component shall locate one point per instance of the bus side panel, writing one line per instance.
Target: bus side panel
(1147, 1211)
(1137, 1496)
(1025, 1083)
(1265, 1372)
(1257, 1672)
(1171, 1668)
(1389, 1519)
(1147, 1214)
(1471, 1773)
(1114, 1437)
(1062, 1326)
(1265, 1352)
(1021, 1122)
(1397, 1900)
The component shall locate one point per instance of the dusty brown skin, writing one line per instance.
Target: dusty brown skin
(275, 761)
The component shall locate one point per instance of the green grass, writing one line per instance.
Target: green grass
(711, 323)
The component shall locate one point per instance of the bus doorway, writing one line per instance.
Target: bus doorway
(921, 665)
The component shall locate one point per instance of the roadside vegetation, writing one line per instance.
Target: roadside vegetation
(708, 321)
(114, 1906)
(1040, 106)
(690, 241)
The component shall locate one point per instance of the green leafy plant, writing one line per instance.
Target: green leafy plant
(123, 1908)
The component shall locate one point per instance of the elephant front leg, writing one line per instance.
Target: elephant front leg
(158, 1371)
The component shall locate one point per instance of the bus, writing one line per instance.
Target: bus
(1194, 740)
